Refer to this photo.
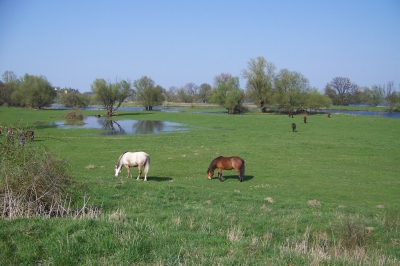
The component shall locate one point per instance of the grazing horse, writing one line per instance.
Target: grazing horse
(305, 119)
(293, 127)
(226, 163)
(133, 159)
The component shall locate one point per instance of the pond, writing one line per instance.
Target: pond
(113, 127)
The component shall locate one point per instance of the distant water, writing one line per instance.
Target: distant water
(160, 108)
(367, 113)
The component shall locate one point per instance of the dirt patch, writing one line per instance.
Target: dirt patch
(73, 115)
(314, 203)
(269, 199)
(265, 208)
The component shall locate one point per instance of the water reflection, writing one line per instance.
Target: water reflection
(112, 127)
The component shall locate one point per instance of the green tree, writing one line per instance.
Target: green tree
(205, 92)
(290, 90)
(149, 95)
(373, 96)
(34, 92)
(317, 101)
(227, 93)
(260, 78)
(6, 90)
(73, 99)
(111, 95)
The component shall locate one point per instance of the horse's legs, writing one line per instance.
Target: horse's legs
(128, 169)
(220, 175)
(140, 172)
(240, 177)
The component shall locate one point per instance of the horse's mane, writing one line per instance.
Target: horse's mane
(213, 163)
(119, 159)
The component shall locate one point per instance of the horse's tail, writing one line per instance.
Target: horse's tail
(147, 164)
(242, 170)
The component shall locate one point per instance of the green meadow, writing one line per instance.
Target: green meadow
(327, 194)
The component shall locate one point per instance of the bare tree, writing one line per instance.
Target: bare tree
(344, 90)
(222, 78)
(192, 91)
(9, 76)
(390, 95)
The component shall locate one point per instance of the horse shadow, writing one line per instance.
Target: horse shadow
(245, 177)
(158, 179)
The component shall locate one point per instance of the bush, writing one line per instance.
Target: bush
(33, 181)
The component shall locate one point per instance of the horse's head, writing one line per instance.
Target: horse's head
(210, 174)
(117, 171)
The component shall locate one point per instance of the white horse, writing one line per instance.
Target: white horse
(133, 159)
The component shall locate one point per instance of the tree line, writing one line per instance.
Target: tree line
(267, 88)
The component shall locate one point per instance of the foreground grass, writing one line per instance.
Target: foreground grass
(326, 194)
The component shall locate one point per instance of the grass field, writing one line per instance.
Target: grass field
(327, 194)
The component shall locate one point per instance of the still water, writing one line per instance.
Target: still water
(112, 127)
(368, 113)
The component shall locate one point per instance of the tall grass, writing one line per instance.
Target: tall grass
(326, 194)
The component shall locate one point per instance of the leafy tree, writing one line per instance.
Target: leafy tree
(111, 95)
(227, 93)
(290, 90)
(373, 96)
(75, 100)
(260, 78)
(149, 95)
(205, 92)
(6, 90)
(34, 92)
(317, 101)
(341, 91)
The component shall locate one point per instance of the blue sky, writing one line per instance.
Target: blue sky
(173, 42)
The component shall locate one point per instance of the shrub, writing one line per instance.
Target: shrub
(33, 181)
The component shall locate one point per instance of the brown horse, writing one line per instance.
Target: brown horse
(30, 135)
(226, 163)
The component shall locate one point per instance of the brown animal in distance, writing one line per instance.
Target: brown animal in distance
(293, 127)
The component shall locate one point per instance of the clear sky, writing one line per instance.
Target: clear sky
(174, 42)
